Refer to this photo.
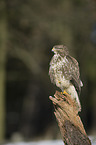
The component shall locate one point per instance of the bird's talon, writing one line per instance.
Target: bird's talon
(65, 93)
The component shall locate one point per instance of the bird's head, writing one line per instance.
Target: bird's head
(60, 49)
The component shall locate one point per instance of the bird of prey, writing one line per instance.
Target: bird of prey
(64, 72)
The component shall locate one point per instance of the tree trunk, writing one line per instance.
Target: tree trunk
(69, 122)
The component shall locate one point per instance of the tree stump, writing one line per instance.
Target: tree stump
(69, 122)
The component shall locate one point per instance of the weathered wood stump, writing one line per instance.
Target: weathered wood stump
(70, 124)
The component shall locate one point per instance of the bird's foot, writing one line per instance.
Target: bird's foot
(73, 101)
(65, 93)
(67, 97)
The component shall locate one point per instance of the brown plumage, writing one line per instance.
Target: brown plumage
(64, 72)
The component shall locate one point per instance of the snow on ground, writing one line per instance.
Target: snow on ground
(49, 142)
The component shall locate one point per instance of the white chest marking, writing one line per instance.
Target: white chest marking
(61, 82)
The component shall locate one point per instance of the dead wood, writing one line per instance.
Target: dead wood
(70, 124)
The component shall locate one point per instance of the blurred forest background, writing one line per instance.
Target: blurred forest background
(28, 31)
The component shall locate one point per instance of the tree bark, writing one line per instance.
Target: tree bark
(70, 124)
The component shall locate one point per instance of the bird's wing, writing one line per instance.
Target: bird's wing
(51, 73)
(73, 72)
